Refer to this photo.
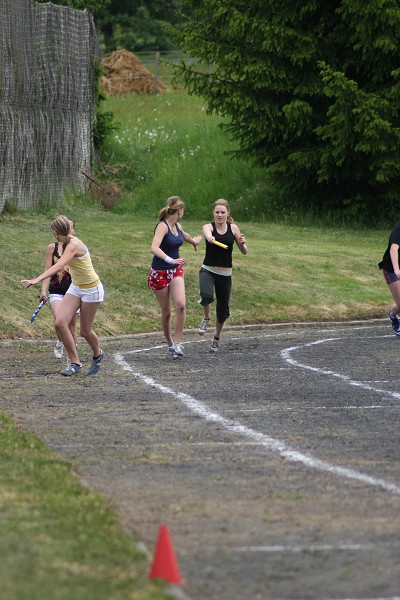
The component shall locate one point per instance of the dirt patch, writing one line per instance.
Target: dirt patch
(198, 444)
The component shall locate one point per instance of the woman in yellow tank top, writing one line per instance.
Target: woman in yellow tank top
(85, 292)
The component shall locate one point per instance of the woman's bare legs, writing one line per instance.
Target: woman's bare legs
(62, 319)
(395, 291)
(165, 305)
(176, 289)
(88, 313)
(218, 329)
(206, 309)
(55, 306)
(65, 314)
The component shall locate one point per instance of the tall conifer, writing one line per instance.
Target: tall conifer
(310, 89)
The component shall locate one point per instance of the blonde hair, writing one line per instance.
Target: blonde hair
(62, 225)
(222, 202)
(174, 203)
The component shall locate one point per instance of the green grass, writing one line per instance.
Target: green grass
(168, 145)
(57, 539)
(63, 538)
(290, 273)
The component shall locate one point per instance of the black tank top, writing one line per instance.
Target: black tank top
(217, 256)
(60, 282)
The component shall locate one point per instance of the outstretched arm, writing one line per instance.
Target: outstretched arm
(195, 241)
(66, 256)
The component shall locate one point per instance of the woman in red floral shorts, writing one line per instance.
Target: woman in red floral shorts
(166, 272)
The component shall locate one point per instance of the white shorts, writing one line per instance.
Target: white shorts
(59, 298)
(55, 298)
(94, 294)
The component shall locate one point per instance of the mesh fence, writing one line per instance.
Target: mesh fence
(47, 100)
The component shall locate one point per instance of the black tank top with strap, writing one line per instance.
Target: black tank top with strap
(60, 282)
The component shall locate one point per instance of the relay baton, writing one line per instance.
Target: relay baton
(220, 244)
(35, 314)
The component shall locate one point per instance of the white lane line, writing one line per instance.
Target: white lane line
(308, 408)
(314, 548)
(286, 355)
(266, 441)
(252, 337)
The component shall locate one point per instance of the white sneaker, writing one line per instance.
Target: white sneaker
(176, 351)
(214, 345)
(58, 349)
(203, 326)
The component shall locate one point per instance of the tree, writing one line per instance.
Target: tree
(310, 90)
(137, 26)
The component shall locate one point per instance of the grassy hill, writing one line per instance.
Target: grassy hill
(291, 273)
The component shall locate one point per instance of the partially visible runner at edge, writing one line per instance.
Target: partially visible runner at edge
(216, 271)
(391, 272)
(166, 272)
(55, 288)
(85, 292)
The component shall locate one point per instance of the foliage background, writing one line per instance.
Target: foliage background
(297, 268)
(309, 90)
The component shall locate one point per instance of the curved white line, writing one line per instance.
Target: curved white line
(286, 355)
(266, 441)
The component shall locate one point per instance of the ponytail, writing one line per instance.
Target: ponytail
(62, 225)
(174, 203)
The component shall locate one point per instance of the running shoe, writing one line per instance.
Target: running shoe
(58, 349)
(96, 362)
(215, 345)
(72, 369)
(395, 323)
(203, 326)
(176, 351)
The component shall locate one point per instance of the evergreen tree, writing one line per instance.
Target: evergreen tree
(139, 25)
(310, 90)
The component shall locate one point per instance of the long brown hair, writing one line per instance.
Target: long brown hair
(174, 203)
(222, 202)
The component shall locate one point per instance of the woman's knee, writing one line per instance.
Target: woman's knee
(85, 331)
(180, 306)
(223, 314)
(395, 290)
(60, 322)
(166, 314)
(206, 299)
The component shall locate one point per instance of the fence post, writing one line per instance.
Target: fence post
(157, 60)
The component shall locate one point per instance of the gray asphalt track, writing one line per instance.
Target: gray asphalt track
(274, 462)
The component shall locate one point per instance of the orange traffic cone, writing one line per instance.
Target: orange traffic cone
(165, 564)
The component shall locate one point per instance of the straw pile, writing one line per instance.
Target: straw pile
(124, 75)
